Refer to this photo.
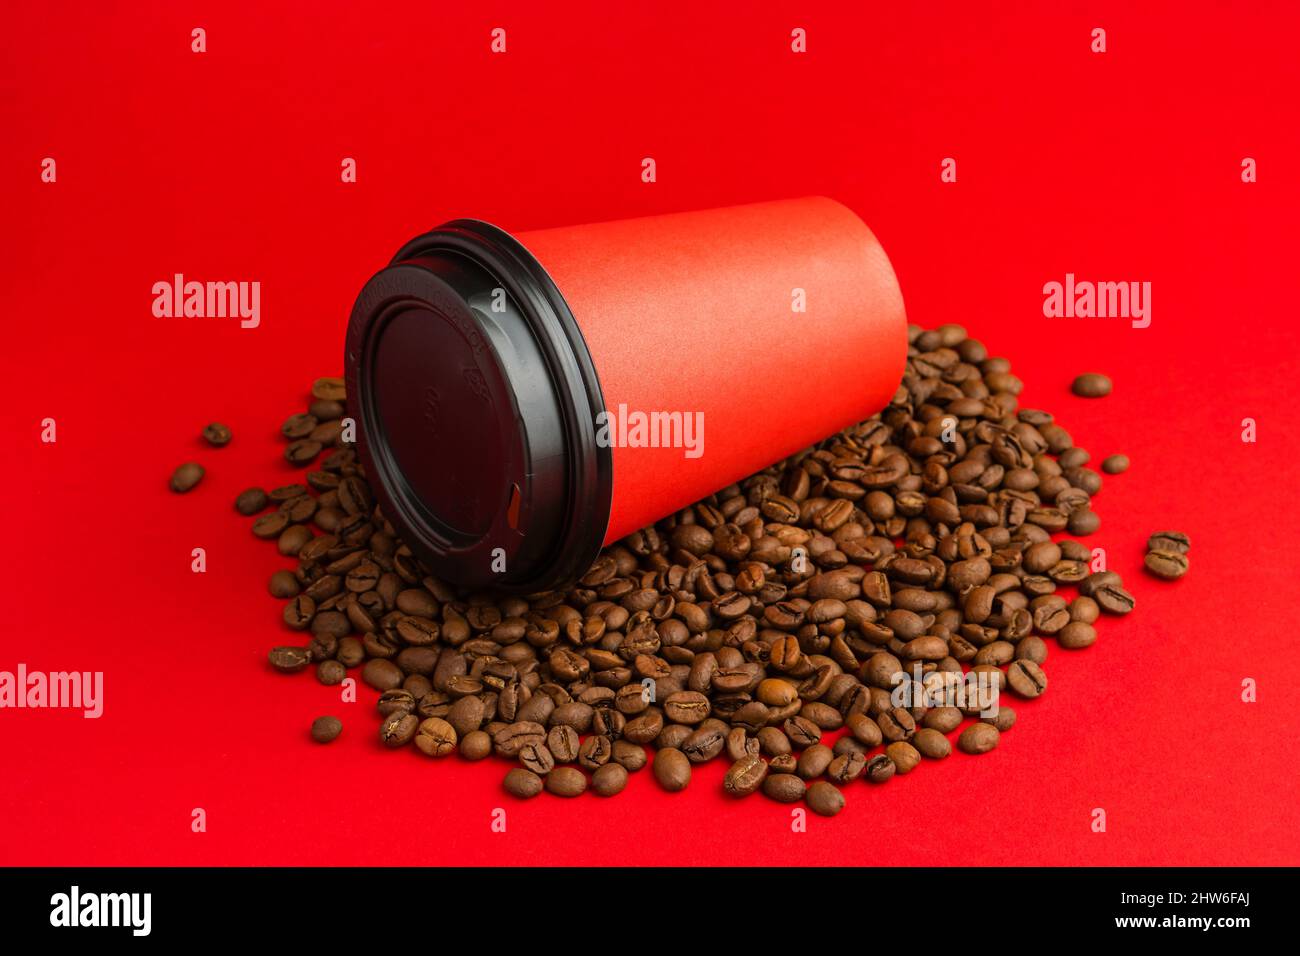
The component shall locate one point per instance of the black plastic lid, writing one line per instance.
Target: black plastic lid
(476, 401)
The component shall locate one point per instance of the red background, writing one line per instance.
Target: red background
(226, 166)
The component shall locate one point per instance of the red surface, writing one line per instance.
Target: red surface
(692, 314)
(226, 166)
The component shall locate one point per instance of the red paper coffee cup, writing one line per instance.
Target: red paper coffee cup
(523, 400)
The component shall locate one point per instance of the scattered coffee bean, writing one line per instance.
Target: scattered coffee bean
(329, 389)
(475, 745)
(905, 756)
(880, 768)
(289, 660)
(398, 729)
(1115, 464)
(1169, 565)
(326, 729)
(978, 738)
(186, 477)
(824, 799)
(251, 501)
(1174, 541)
(302, 453)
(931, 743)
(566, 782)
(271, 525)
(672, 769)
(435, 737)
(783, 787)
(745, 776)
(523, 783)
(609, 780)
(217, 435)
(283, 584)
(1003, 720)
(1026, 678)
(1091, 385)
(331, 673)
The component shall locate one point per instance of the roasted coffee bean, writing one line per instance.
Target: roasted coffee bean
(271, 525)
(1003, 720)
(773, 742)
(466, 714)
(880, 768)
(1115, 464)
(672, 769)
(864, 729)
(283, 584)
(896, 724)
(186, 477)
(292, 539)
(302, 453)
(289, 660)
(475, 745)
(217, 435)
(351, 652)
(436, 738)
(931, 743)
(382, 674)
(537, 758)
(978, 738)
(596, 751)
(523, 783)
(1073, 636)
(398, 729)
(1026, 678)
(1174, 541)
(1169, 565)
(1091, 385)
(783, 763)
(846, 767)
(609, 780)
(824, 799)
(286, 493)
(331, 673)
(783, 787)
(943, 719)
(329, 389)
(904, 755)
(1113, 599)
(630, 756)
(745, 776)
(513, 738)
(686, 707)
(326, 410)
(566, 782)
(564, 744)
(814, 761)
(1084, 609)
(1035, 648)
(326, 729)
(399, 699)
(251, 501)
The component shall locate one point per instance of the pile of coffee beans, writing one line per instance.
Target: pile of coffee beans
(771, 625)
(1167, 554)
